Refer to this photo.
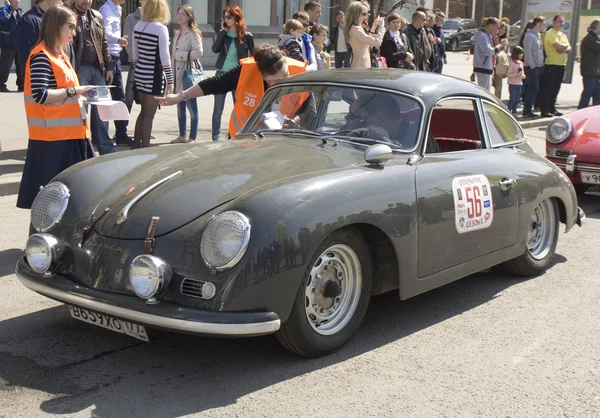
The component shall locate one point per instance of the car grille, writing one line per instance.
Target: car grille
(192, 287)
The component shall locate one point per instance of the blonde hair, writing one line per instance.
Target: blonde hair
(353, 17)
(156, 11)
(292, 24)
(189, 11)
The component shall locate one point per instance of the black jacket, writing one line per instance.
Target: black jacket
(590, 54)
(333, 40)
(223, 43)
(389, 50)
(412, 33)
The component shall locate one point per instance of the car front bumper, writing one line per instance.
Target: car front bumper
(162, 315)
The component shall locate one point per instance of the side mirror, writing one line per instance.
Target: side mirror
(378, 154)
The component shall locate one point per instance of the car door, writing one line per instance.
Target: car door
(466, 208)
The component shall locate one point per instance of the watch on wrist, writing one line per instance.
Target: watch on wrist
(71, 91)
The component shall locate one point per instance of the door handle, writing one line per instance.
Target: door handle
(506, 184)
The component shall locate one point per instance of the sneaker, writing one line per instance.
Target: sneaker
(180, 140)
(546, 115)
(556, 113)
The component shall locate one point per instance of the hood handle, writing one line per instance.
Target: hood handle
(122, 217)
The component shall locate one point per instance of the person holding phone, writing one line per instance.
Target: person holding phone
(360, 41)
(233, 43)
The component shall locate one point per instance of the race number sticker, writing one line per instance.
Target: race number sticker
(473, 205)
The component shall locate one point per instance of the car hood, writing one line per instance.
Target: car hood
(586, 129)
(198, 178)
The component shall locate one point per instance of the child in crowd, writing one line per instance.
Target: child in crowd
(289, 40)
(515, 76)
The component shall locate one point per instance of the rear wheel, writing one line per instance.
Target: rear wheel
(333, 296)
(542, 238)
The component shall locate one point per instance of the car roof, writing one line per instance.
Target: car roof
(429, 87)
(460, 19)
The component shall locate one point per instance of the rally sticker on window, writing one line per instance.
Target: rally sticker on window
(473, 205)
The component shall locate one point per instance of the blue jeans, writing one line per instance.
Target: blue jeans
(92, 75)
(591, 90)
(440, 66)
(217, 113)
(118, 93)
(534, 76)
(192, 106)
(342, 59)
(515, 97)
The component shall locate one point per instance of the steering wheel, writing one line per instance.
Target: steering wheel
(360, 132)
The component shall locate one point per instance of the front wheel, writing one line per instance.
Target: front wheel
(454, 45)
(333, 296)
(542, 238)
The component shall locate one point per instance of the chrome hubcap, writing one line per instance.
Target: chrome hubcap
(333, 289)
(542, 228)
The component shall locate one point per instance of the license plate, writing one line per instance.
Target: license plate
(108, 322)
(590, 177)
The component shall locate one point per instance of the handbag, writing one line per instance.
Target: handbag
(381, 62)
(502, 64)
(193, 74)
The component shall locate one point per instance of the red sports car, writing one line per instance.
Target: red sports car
(573, 144)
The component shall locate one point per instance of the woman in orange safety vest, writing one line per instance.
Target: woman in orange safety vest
(55, 117)
(250, 80)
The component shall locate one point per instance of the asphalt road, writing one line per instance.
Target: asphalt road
(487, 345)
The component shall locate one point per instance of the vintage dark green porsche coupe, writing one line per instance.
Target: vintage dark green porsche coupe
(342, 185)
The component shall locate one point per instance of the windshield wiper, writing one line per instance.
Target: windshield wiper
(366, 141)
(294, 131)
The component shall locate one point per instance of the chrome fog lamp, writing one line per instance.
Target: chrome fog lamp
(43, 250)
(558, 130)
(49, 206)
(149, 275)
(225, 240)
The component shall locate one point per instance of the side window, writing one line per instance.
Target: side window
(502, 128)
(454, 127)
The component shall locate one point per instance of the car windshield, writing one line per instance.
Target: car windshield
(451, 24)
(354, 114)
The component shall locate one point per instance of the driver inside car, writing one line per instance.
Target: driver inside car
(389, 121)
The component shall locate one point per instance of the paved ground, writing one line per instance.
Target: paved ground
(488, 345)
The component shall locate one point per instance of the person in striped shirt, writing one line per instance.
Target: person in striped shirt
(153, 74)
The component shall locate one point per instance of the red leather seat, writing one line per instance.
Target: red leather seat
(456, 144)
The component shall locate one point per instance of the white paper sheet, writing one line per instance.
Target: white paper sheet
(111, 110)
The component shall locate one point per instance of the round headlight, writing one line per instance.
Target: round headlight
(558, 130)
(225, 240)
(149, 275)
(49, 206)
(42, 250)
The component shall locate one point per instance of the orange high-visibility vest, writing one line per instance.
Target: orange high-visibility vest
(250, 91)
(57, 121)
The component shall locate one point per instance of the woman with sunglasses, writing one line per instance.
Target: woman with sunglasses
(249, 81)
(233, 43)
(360, 41)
